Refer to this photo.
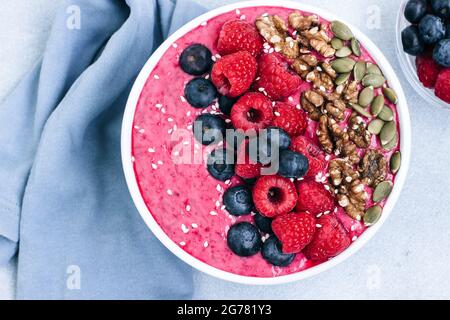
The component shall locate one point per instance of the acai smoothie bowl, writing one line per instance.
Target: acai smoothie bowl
(263, 143)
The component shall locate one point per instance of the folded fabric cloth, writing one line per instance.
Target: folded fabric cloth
(64, 203)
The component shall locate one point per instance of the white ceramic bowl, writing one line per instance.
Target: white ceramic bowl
(405, 136)
(408, 63)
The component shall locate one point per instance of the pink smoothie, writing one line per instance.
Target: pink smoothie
(183, 198)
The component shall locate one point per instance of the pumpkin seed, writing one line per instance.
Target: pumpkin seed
(396, 162)
(337, 43)
(362, 111)
(343, 65)
(359, 71)
(391, 95)
(343, 52)
(372, 215)
(391, 144)
(388, 132)
(386, 114)
(366, 96)
(374, 80)
(341, 30)
(382, 191)
(356, 47)
(375, 126)
(377, 105)
(373, 69)
(342, 78)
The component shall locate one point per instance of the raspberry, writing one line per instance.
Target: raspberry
(290, 119)
(275, 77)
(443, 85)
(245, 167)
(295, 231)
(311, 151)
(330, 239)
(238, 35)
(252, 111)
(427, 70)
(233, 74)
(274, 195)
(313, 198)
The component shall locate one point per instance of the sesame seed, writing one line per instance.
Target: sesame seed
(277, 113)
(291, 99)
(169, 119)
(213, 213)
(354, 238)
(151, 150)
(174, 45)
(158, 105)
(242, 17)
(142, 131)
(160, 162)
(188, 208)
(318, 225)
(169, 192)
(182, 243)
(205, 244)
(154, 166)
(194, 225)
(183, 99)
(217, 203)
(238, 12)
(184, 228)
(213, 58)
(188, 114)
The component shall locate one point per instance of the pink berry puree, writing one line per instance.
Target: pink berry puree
(183, 198)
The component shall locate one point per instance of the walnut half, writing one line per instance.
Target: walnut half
(358, 132)
(373, 168)
(333, 138)
(349, 189)
(274, 30)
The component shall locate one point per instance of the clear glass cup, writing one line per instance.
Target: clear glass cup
(408, 63)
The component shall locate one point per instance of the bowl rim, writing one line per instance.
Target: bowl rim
(128, 167)
(408, 66)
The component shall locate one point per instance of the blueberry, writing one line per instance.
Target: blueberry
(221, 164)
(415, 10)
(264, 224)
(269, 138)
(271, 252)
(196, 60)
(200, 92)
(431, 29)
(441, 53)
(412, 44)
(209, 128)
(244, 239)
(225, 104)
(238, 201)
(292, 164)
(441, 8)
